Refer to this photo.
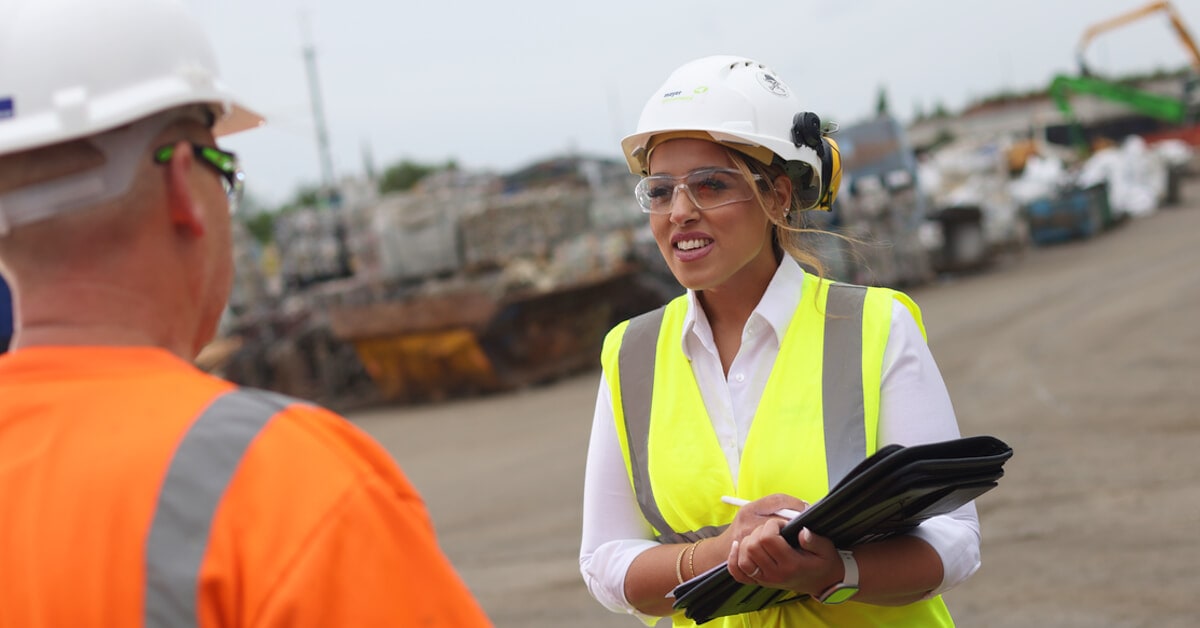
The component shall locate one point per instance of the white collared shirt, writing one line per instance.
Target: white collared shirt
(914, 407)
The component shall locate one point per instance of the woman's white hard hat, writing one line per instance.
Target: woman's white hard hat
(731, 100)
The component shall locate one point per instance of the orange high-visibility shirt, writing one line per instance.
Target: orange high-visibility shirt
(102, 456)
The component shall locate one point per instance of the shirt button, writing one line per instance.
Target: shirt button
(739, 378)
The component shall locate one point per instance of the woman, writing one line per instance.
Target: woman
(764, 382)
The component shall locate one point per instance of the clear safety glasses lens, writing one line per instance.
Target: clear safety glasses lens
(223, 162)
(707, 189)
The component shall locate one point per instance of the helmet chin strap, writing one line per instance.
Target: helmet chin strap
(121, 148)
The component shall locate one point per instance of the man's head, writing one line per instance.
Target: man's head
(77, 69)
(108, 117)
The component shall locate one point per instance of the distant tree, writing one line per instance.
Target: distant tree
(939, 111)
(944, 136)
(260, 221)
(261, 225)
(403, 176)
(881, 102)
(250, 203)
(308, 196)
(918, 113)
(305, 196)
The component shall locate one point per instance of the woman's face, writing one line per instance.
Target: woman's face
(708, 249)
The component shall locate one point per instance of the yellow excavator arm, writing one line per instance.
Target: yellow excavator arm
(1176, 20)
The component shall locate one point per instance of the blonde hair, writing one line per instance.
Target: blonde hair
(785, 236)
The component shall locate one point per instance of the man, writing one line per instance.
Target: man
(135, 489)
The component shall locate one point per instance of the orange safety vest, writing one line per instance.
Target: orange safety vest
(137, 490)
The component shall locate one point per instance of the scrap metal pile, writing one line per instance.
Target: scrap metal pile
(464, 285)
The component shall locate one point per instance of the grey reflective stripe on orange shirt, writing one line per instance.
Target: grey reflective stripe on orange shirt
(203, 464)
(841, 389)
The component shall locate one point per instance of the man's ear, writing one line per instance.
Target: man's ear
(185, 212)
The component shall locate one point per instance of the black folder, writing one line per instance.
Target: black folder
(889, 493)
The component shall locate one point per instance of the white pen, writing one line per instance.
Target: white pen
(786, 513)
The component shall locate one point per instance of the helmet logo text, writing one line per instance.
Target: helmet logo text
(678, 95)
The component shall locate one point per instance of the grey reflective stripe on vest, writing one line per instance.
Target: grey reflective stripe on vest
(841, 389)
(203, 464)
(841, 381)
(635, 362)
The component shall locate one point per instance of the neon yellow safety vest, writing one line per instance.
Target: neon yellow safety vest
(818, 417)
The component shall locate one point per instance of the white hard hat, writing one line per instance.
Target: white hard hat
(739, 103)
(75, 68)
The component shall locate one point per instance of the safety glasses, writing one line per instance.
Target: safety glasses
(708, 189)
(223, 162)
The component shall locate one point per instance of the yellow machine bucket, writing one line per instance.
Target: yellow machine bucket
(423, 364)
(437, 347)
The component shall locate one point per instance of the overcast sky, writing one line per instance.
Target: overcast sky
(498, 85)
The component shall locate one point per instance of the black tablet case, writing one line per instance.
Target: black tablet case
(890, 492)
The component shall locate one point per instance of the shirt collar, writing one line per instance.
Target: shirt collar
(776, 307)
(779, 302)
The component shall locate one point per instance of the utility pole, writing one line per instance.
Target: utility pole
(329, 198)
(318, 111)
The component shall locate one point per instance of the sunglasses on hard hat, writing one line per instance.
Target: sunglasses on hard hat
(223, 162)
(708, 189)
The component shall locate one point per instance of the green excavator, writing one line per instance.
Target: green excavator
(1175, 110)
(1172, 110)
(1086, 212)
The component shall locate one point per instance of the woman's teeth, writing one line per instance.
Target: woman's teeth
(687, 245)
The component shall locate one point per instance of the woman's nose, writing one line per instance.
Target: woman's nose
(683, 208)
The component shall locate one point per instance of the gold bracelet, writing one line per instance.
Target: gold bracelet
(679, 564)
(692, 556)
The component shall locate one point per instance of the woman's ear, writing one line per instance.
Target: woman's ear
(185, 213)
(782, 187)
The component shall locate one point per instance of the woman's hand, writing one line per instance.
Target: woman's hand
(763, 557)
(754, 514)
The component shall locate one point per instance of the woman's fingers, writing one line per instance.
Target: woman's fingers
(741, 567)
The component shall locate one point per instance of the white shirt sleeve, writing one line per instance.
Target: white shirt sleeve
(614, 531)
(915, 408)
